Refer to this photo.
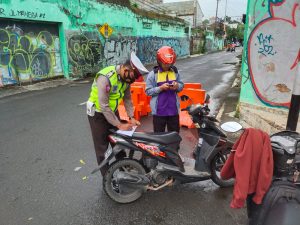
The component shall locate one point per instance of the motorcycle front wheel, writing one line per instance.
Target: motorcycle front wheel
(119, 192)
(216, 167)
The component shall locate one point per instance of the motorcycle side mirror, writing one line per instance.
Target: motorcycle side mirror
(231, 127)
(207, 98)
(184, 98)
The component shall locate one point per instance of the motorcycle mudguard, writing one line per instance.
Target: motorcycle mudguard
(109, 154)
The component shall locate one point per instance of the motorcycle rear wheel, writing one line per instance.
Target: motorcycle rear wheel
(216, 166)
(114, 190)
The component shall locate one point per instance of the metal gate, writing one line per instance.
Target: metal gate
(29, 51)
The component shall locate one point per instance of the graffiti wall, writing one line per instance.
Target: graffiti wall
(147, 47)
(117, 50)
(213, 43)
(44, 39)
(272, 52)
(28, 52)
(85, 53)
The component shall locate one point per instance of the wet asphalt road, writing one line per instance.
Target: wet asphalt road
(44, 135)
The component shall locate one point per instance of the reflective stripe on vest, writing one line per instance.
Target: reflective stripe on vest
(117, 89)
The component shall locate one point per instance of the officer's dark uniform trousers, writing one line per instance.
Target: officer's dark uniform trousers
(100, 130)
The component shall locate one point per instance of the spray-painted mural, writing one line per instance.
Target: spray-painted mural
(273, 51)
(88, 55)
(85, 52)
(212, 42)
(28, 52)
(118, 50)
(147, 47)
(62, 37)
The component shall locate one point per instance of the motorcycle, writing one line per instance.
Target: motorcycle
(281, 203)
(152, 160)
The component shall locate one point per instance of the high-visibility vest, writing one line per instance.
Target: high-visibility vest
(116, 92)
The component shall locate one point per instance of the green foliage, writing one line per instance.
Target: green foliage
(200, 32)
(235, 34)
(205, 23)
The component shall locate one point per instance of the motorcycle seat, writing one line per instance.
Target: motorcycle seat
(165, 138)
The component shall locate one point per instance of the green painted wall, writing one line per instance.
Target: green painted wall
(271, 52)
(71, 44)
(213, 43)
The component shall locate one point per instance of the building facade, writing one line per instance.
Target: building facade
(190, 11)
(41, 39)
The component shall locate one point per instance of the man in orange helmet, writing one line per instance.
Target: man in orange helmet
(163, 83)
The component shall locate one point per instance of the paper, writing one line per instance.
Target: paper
(127, 132)
(90, 108)
(77, 169)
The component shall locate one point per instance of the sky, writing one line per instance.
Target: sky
(234, 7)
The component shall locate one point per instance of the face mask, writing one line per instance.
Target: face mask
(127, 78)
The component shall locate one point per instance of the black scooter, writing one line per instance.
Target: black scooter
(152, 160)
(281, 203)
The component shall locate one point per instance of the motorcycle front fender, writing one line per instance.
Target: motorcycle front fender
(109, 154)
(216, 150)
(213, 154)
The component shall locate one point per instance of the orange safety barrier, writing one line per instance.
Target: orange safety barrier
(193, 85)
(186, 120)
(196, 96)
(141, 101)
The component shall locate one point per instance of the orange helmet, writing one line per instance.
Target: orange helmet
(166, 55)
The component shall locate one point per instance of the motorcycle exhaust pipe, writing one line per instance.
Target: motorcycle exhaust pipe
(134, 179)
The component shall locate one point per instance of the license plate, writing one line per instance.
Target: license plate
(108, 152)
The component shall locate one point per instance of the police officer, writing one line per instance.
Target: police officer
(111, 85)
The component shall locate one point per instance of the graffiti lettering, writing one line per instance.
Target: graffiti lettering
(147, 25)
(118, 50)
(85, 53)
(2, 12)
(22, 13)
(265, 45)
(25, 57)
(272, 51)
(147, 47)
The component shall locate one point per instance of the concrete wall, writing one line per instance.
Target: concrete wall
(50, 38)
(213, 43)
(271, 52)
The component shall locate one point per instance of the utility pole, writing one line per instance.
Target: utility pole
(295, 103)
(225, 34)
(195, 14)
(225, 10)
(216, 16)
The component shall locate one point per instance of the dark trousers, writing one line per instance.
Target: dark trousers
(161, 122)
(100, 131)
(253, 210)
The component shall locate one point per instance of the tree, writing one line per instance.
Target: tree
(235, 34)
(228, 19)
(205, 22)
